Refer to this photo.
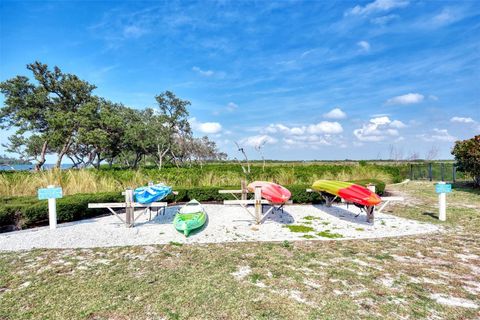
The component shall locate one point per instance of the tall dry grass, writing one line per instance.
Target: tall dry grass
(91, 181)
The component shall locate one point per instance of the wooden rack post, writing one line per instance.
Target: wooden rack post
(244, 190)
(129, 208)
(258, 204)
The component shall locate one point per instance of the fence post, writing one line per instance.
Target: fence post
(430, 174)
(411, 171)
(442, 167)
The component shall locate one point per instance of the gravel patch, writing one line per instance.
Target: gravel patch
(224, 224)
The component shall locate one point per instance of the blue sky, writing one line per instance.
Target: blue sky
(306, 80)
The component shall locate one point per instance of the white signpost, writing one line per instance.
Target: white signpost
(442, 189)
(52, 194)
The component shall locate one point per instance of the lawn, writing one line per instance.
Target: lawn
(431, 276)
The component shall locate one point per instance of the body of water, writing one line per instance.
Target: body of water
(29, 167)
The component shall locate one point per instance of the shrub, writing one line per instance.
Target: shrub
(467, 155)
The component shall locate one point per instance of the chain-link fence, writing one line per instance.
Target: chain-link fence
(437, 171)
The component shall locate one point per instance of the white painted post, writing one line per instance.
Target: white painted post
(258, 203)
(371, 187)
(52, 211)
(442, 205)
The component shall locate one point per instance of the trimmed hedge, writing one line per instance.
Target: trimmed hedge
(24, 212)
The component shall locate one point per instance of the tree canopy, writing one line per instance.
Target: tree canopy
(57, 113)
(467, 155)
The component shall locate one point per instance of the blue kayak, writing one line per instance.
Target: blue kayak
(152, 193)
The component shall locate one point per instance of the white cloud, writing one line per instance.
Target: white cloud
(206, 127)
(384, 19)
(133, 31)
(232, 106)
(377, 6)
(313, 135)
(364, 45)
(445, 17)
(397, 124)
(437, 135)
(205, 73)
(379, 129)
(335, 113)
(325, 127)
(254, 141)
(409, 98)
(462, 120)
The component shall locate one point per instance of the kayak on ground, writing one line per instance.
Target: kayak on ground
(151, 194)
(190, 217)
(348, 191)
(272, 192)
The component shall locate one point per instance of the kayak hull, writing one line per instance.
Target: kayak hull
(190, 217)
(151, 194)
(272, 192)
(348, 191)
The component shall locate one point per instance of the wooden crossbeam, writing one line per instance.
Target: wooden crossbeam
(124, 205)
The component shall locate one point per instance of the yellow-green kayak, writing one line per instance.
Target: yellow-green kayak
(190, 217)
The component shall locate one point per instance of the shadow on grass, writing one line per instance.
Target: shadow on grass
(430, 214)
(466, 187)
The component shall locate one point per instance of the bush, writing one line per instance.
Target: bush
(467, 155)
(24, 212)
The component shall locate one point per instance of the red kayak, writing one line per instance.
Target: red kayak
(349, 191)
(274, 193)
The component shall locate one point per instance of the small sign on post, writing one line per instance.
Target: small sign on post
(442, 189)
(51, 193)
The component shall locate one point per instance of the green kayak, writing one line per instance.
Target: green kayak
(191, 216)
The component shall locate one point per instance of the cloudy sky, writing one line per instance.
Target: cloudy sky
(305, 80)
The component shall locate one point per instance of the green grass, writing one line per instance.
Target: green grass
(328, 234)
(310, 218)
(299, 228)
(388, 278)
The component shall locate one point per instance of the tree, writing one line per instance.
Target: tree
(171, 124)
(44, 113)
(467, 155)
(26, 108)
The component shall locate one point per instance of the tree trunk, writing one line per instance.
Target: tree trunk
(138, 156)
(42, 159)
(62, 153)
(160, 155)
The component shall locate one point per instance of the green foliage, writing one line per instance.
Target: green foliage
(467, 155)
(29, 211)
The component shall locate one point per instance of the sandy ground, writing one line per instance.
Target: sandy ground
(224, 224)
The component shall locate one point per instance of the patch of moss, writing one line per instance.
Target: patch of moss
(328, 234)
(178, 244)
(299, 228)
(308, 236)
(311, 218)
(359, 229)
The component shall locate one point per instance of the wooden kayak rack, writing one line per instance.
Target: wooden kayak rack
(129, 205)
(257, 201)
(370, 210)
